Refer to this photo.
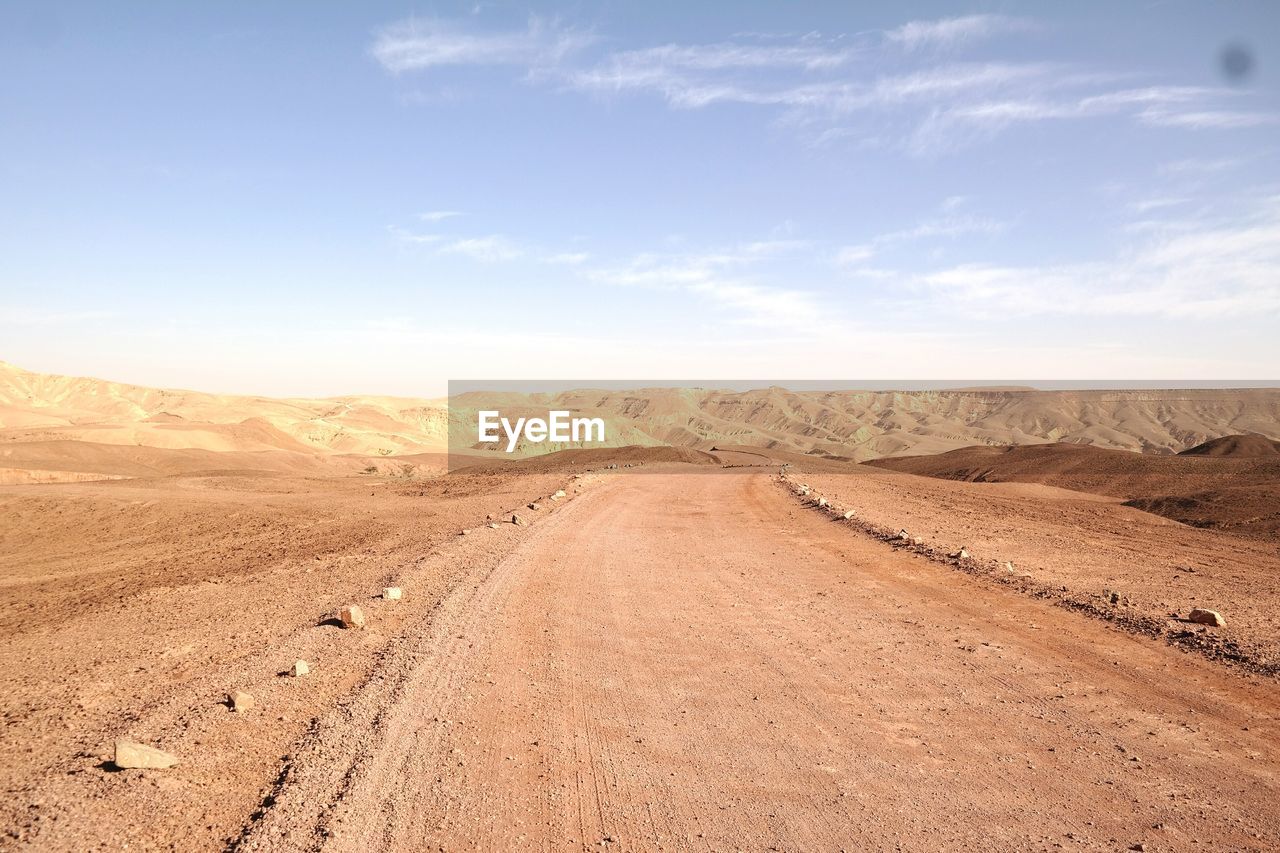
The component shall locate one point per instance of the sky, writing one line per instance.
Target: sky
(330, 198)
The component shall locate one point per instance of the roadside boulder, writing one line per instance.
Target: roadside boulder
(849, 514)
(962, 554)
(1207, 617)
(300, 668)
(391, 593)
(822, 501)
(535, 506)
(517, 521)
(903, 535)
(130, 755)
(242, 700)
(351, 616)
(560, 493)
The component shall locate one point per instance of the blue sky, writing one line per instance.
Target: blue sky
(290, 198)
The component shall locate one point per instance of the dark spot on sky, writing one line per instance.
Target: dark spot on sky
(1237, 62)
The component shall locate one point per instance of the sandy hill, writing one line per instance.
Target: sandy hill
(1236, 446)
(43, 407)
(1236, 490)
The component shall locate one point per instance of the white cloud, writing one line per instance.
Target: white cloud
(949, 226)
(409, 237)
(491, 249)
(1209, 119)
(723, 277)
(830, 89)
(567, 258)
(949, 32)
(438, 215)
(1147, 205)
(414, 44)
(1216, 269)
(850, 255)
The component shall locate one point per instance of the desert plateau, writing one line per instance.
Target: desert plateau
(729, 636)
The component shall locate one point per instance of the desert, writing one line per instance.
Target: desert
(266, 634)
(612, 427)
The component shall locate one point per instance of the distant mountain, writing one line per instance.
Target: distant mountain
(856, 425)
(44, 407)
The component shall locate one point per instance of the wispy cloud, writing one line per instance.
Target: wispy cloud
(415, 44)
(1210, 119)
(726, 278)
(1224, 268)
(405, 236)
(949, 32)
(831, 89)
(950, 225)
(438, 215)
(572, 259)
(491, 249)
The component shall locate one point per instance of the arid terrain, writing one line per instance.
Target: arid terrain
(103, 417)
(733, 643)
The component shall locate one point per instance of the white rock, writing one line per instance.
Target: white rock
(300, 668)
(904, 535)
(136, 755)
(242, 700)
(517, 520)
(560, 493)
(351, 616)
(391, 593)
(848, 515)
(1207, 617)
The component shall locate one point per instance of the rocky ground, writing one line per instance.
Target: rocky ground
(670, 657)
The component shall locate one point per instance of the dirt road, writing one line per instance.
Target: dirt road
(693, 661)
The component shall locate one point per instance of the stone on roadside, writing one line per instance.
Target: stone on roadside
(300, 668)
(1202, 616)
(822, 501)
(493, 525)
(962, 554)
(242, 700)
(903, 535)
(560, 493)
(535, 506)
(1008, 567)
(391, 593)
(917, 540)
(351, 616)
(130, 755)
(848, 515)
(517, 520)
